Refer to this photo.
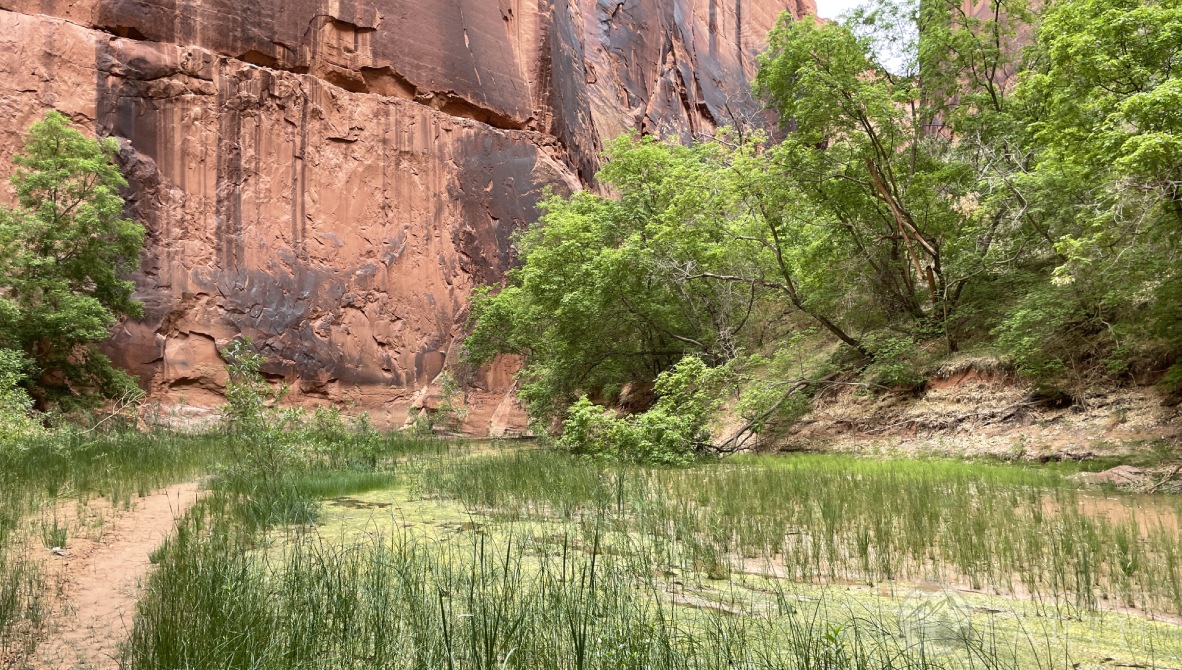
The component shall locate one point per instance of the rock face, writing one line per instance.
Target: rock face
(332, 178)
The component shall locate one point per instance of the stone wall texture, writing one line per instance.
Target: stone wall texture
(332, 178)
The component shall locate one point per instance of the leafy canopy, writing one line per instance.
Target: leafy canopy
(1101, 101)
(65, 249)
(1008, 183)
(598, 301)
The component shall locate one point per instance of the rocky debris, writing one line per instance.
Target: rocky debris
(333, 179)
(1126, 476)
(985, 415)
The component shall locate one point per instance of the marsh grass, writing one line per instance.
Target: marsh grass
(41, 478)
(569, 564)
(22, 608)
(539, 560)
(38, 476)
(54, 534)
(494, 601)
(1027, 532)
(316, 466)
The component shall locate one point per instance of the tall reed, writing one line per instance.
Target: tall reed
(493, 601)
(1008, 529)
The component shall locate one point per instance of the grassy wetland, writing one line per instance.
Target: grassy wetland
(45, 487)
(342, 548)
(319, 542)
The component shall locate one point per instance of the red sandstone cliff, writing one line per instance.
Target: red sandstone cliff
(333, 177)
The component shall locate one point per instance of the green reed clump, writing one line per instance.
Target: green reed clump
(21, 606)
(822, 518)
(39, 473)
(335, 483)
(293, 497)
(115, 466)
(524, 483)
(283, 476)
(205, 588)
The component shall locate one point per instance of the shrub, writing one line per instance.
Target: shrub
(895, 363)
(16, 406)
(452, 412)
(671, 432)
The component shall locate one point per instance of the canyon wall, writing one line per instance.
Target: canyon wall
(332, 178)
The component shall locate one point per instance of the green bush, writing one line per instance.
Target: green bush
(451, 412)
(671, 432)
(16, 407)
(896, 363)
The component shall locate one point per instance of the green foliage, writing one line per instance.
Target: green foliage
(763, 404)
(1037, 335)
(419, 422)
(451, 412)
(1008, 180)
(896, 363)
(588, 428)
(773, 390)
(446, 416)
(601, 298)
(1172, 381)
(1101, 105)
(249, 396)
(64, 250)
(966, 63)
(671, 432)
(16, 406)
(263, 453)
(903, 176)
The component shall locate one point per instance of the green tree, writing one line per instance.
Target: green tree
(899, 172)
(64, 252)
(979, 188)
(600, 299)
(1103, 107)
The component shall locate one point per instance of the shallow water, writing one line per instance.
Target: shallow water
(1149, 511)
(931, 609)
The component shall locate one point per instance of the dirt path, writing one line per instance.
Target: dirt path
(100, 581)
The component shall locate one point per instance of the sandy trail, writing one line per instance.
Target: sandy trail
(101, 581)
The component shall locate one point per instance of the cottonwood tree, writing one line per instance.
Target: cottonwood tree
(1103, 105)
(65, 250)
(598, 300)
